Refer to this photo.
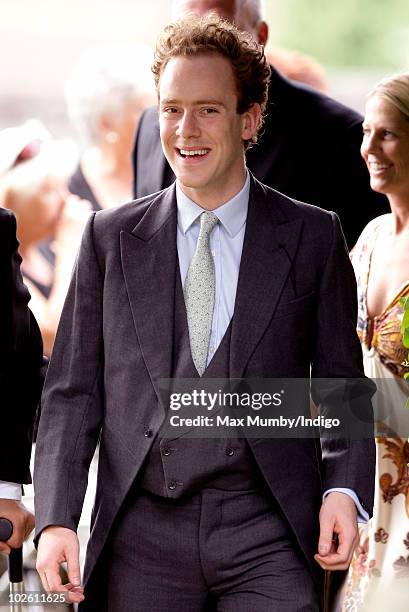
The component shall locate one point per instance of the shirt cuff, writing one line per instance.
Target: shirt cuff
(363, 516)
(10, 490)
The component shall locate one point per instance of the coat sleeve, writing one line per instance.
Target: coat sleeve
(72, 402)
(21, 360)
(339, 386)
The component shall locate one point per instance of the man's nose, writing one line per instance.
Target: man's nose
(188, 125)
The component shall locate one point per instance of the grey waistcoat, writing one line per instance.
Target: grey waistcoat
(183, 466)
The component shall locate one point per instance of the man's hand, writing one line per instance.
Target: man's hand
(22, 520)
(338, 532)
(57, 545)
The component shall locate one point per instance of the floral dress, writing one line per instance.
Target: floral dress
(378, 578)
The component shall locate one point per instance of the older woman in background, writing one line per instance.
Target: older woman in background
(106, 94)
(33, 184)
(379, 574)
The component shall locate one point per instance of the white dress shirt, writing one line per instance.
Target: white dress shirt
(10, 490)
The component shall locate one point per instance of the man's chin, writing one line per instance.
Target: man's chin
(186, 179)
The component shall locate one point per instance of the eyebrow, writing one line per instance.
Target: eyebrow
(196, 102)
(383, 126)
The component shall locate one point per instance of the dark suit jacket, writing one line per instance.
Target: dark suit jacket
(21, 352)
(309, 150)
(295, 309)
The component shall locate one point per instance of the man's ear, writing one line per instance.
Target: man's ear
(251, 121)
(262, 33)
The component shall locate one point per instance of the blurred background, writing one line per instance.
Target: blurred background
(356, 42)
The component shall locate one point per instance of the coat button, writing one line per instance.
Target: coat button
(229, 452)
(172, 485)
(166, 452)
(147, 432)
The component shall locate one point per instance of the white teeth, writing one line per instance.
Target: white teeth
(376, 166)
(195, 152)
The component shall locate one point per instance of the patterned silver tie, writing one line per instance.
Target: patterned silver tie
(199, 293)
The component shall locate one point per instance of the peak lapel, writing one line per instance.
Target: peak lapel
(269, 249)
(149, 262)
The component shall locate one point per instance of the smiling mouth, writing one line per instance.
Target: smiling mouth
(378, 167)
(192, 153)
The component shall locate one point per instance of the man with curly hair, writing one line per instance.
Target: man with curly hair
(308, 148)
(217, 276)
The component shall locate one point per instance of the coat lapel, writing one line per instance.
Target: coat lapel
(149, 261)
(269, 249)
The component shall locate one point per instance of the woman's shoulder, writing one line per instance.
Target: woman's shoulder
(377, 223)
(371, 230)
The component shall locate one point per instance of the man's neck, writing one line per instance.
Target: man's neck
(213, 199)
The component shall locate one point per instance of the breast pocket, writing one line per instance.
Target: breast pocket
(295, 307)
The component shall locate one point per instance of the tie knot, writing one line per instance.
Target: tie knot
(207, 222)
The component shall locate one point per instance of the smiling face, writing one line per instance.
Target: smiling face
(202, 134)
(385, 147)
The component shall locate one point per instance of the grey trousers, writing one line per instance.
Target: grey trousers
(219, 551)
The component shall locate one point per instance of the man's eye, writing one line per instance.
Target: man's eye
(169, 110)
(209, 111)
(388, 134)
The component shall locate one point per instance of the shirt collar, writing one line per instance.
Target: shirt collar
(232, 215)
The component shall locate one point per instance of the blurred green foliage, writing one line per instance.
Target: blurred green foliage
(367, 33)
(405, 328)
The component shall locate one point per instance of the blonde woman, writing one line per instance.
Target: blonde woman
(379, 574)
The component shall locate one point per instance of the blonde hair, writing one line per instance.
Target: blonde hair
(394, 89)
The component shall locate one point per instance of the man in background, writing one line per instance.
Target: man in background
(309, 148)
(20, 384)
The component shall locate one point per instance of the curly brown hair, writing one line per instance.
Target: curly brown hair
(192, 35)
